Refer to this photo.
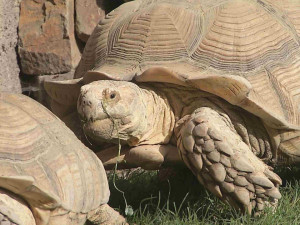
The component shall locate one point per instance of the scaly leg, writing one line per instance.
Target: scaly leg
(13, 210)
(224, 164)
(105, 215)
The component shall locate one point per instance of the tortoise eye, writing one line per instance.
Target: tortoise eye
(112, 96)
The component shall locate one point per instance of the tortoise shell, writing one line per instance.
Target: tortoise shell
(42, 161)
(245, 51)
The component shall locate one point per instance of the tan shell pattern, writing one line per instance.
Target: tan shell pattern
(35, 143)
(255, 40)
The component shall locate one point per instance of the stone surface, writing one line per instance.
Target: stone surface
(88, 14)
(9, 69)
(47, 42)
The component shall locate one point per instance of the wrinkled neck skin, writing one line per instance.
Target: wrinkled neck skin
(171, 104)
(160, 119)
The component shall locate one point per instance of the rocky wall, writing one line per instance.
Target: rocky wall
(52, 35)
(9, 69)
(43, 40)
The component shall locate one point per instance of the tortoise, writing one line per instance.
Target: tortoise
(218, 80)
(47, 175)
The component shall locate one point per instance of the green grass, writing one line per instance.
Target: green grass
(181, 200)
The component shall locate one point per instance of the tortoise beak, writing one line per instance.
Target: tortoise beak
(96, 122)
(89, 105)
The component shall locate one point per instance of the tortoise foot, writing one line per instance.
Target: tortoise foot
(224, 164)
(105, 215)
(13, 210)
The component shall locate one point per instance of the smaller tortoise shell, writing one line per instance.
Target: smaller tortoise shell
(42, 160)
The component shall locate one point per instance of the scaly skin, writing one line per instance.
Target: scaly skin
(224, 164)
(105, 215)
(222, 144)
(13, 210)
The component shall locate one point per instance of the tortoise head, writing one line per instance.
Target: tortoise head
(112, 111)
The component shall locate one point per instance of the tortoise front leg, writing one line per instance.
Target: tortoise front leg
(14, 210)
(224, 164)
(149, 157)
(105, 215)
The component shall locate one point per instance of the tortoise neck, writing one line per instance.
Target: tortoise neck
(160, 117)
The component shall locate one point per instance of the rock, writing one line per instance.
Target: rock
(88, 14)
(47, 42)
(9, 69)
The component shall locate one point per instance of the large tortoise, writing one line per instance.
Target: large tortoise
(47, 176)
(218, 79)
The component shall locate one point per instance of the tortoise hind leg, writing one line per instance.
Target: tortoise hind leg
(224, 164)
(105, 215)
(13, 210)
